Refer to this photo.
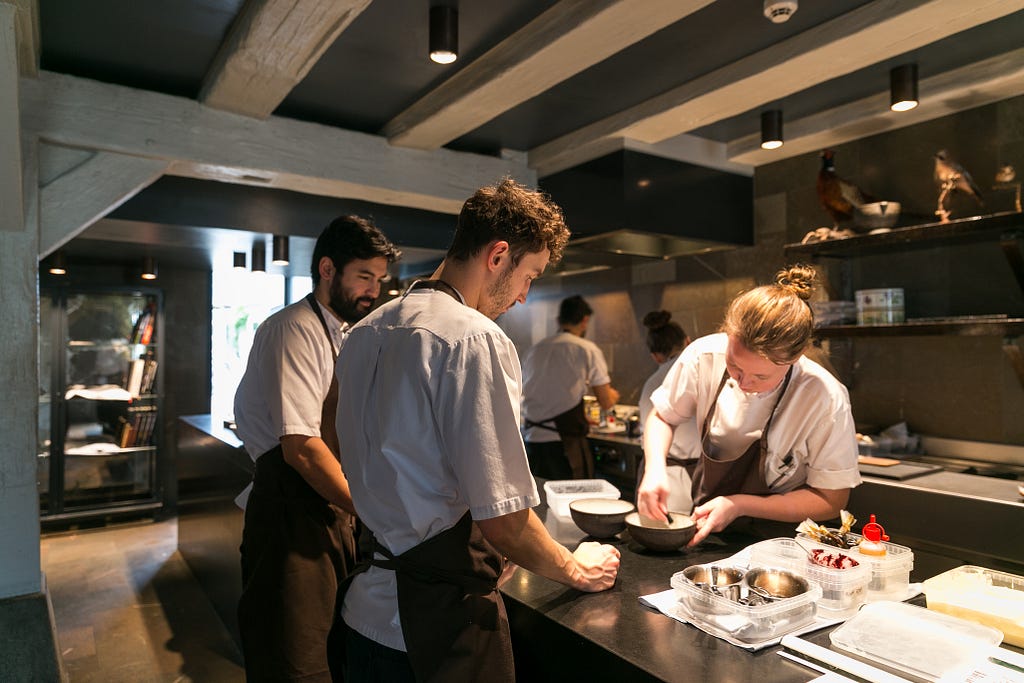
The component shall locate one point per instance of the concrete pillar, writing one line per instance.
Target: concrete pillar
(19, 348)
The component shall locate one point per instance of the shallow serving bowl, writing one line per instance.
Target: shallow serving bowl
(778, 583)
(877, 215)
(600, 517)
(661, 536)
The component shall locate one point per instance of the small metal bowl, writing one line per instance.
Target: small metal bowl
(778, 583)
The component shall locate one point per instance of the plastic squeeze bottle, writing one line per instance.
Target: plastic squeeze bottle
(873, 535)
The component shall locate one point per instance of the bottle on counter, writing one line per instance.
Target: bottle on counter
(872, 536)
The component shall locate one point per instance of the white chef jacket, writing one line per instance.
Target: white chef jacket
(813, 425)
(286, 378)
(686, 438)
(429, 408)
(556, 373)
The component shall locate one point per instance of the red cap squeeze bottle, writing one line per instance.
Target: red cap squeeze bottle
(873, 535)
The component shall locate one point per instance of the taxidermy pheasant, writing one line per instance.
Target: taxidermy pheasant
(838, 196)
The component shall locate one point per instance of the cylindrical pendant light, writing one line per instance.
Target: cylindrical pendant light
(259, 258)
(58, 264)
(280, 250)
(903, 87)
(444, 34)
(148, 268)
(771, 129)
(239, 260)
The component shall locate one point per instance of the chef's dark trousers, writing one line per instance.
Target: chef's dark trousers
(368, 660)
(295, 551)
(548, 461)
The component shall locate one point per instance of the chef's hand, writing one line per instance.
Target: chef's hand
(652, 496)
(712, 516)
(597, 566)
(507, 570)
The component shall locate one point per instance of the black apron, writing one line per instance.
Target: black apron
(296, 549)
(743, 474)
(453, 619)
(572, 427)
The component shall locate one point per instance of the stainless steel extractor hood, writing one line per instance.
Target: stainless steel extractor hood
(633, 204)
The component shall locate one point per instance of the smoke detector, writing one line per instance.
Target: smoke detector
(780, 10)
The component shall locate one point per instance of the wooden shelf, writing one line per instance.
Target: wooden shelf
(1007, 327)
(972, 229)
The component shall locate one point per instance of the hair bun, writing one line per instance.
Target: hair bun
(656, 319)
(798, 279)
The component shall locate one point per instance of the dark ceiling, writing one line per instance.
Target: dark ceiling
(378, 67)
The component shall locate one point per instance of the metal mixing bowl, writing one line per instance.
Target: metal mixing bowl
(778, 583)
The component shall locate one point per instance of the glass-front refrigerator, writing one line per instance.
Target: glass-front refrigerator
(99, 426)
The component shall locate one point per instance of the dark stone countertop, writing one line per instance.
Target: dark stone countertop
(562, 634)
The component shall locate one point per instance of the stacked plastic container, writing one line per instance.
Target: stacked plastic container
(559, 493)
(843, 591)
(890, 573)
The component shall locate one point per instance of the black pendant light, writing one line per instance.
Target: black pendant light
(259, 258)
(903, 87)
(58, 264)
(444, 34)
(239, 260)
(771, 129)
(280, 250)
(148, 268)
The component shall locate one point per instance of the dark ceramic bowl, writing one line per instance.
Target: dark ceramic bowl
(661, 536)
(600, 517)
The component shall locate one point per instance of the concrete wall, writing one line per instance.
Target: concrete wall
(954, 387)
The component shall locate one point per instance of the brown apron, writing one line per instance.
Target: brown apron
(743, 474)
(452, 616)
(572, 427)
(296, 548)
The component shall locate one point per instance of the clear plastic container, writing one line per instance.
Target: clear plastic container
(746, 623)
(843, 591)
(560, 492)
(890, 573)
(915, 640)
(986, 596)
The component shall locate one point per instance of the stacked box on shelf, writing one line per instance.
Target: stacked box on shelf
(843, 591)
(890, 573)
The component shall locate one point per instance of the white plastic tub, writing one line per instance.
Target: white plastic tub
(890, 573)
(560, 492)
(985, 596)
(843, 591)
(746, 623)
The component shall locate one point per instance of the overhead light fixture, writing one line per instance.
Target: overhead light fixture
(239, 262)
(58, 264)
(444, 34)
(771, 129)
(779, 11)
(259, 258)
(280, 250)
(903, 87)
(148, 268)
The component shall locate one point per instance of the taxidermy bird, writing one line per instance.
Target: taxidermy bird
(1005, 174)
(838, 196)
(952, 177)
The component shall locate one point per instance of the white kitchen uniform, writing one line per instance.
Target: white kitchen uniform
(556, 374)
(685, 443)
(286, 378)
(812, 439)
(430, 409)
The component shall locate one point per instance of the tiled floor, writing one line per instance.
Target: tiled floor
(128, 609)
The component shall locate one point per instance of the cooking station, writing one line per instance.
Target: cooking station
(560, 634)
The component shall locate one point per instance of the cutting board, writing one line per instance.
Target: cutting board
(901, 471)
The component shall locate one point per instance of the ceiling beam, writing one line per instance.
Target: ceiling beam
(200, 142)
(272, 45)
(974, 85)
(568, 38)
(72, 202)
(867, 35)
